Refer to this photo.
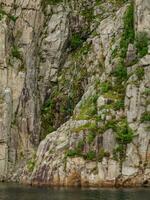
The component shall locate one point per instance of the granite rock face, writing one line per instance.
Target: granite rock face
(75, 92)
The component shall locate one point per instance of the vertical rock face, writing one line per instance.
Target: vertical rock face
(142, 15)
(76, 75)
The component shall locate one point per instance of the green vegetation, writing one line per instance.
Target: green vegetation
(76, 41)
(124, 133)
(88, 126)
(119, 104)
(51, 2)
(102, 153)
(31, 164)
(47, 116)
(65, 94)
(88, 109)
(91, 136)
(4, 13)
(105, 87)
(72, 153)
(91, 155)
(128, 34)
(16, 53)
(145, 117)
(147, 91)
(139, 72)
(77, 151)
(120, 73)
(141, 43)
(88, 14)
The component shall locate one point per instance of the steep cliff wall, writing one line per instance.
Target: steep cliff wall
(76, 75)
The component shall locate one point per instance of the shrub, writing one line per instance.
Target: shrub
(124, 133)
(141, 43)
(91, 155)
(72, 153)
(119, 105)
(90, 137)
(76, 41)
(120, 73)
(105, 87)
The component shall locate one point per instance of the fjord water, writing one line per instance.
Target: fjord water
(18, 192)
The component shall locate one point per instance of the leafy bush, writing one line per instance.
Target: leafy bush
(124, 133)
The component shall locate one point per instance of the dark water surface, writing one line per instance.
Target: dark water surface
(19, 192)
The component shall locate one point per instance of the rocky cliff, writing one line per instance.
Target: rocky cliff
(75, 92)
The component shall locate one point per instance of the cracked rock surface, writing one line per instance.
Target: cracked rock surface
(75, 92)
